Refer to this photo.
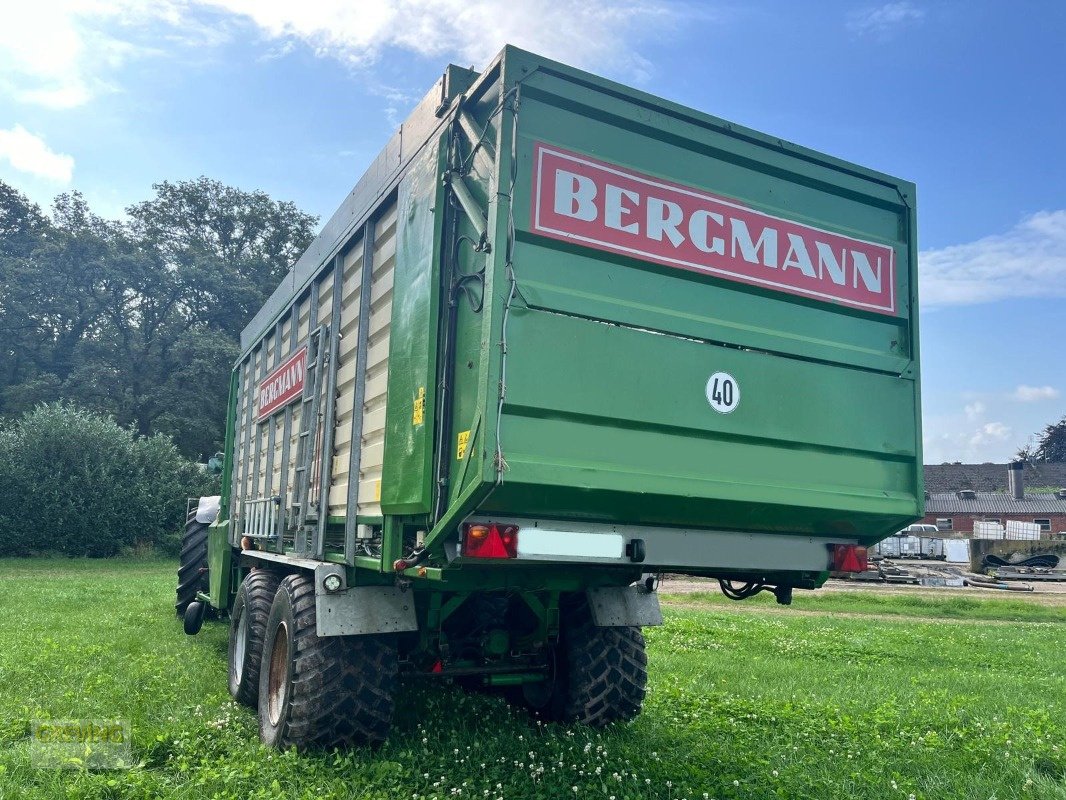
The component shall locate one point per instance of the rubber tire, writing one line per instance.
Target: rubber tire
(193, 619)
(597, 676)
(254, 599)
(336, 691)
(192, 564)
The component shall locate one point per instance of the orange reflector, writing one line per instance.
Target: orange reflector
(477, 532)
(849, 558)
(490, 541)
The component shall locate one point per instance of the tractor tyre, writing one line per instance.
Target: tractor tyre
(596, 676)
(192, 564)
(321, 693)
(247, 629)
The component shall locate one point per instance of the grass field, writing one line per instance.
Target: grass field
(877, 702)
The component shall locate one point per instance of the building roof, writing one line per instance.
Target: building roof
(990, 477)
(995, 504)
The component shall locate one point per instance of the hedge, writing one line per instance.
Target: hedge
(75, 482)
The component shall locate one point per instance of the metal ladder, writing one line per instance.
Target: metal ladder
(310, 406)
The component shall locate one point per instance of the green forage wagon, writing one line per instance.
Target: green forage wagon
(563, 336)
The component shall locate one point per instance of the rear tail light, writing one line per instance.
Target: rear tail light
(481, 540)
(849, 558)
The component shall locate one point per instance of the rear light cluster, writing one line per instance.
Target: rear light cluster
(849, 558)
(490, 540)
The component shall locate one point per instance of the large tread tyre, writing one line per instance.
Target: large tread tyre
(192, 564)
(597, 675)
(248, 622)
(321, 693)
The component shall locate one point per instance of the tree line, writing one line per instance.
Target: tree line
(139, 319)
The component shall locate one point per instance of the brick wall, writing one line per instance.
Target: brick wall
(964, 522)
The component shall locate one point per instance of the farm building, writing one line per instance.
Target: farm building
(958, 495)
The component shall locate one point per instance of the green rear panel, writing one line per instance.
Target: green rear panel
(607, 356)
(407, 472)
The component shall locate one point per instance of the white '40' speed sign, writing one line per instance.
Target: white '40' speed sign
(723, 392)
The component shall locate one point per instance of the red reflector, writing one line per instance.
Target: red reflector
(490, 541)
(849, 558)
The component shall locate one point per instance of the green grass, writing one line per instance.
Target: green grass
(1010, 608)
(741, 705)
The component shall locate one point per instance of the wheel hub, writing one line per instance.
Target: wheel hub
(240, 647)
(277, 683)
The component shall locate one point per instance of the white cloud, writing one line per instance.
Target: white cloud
(1029, 260)
(974, 410)
(591, 34)
(1033, 394)
(965, 438)
(883, 20)
(62, 53)
(992, 431)
(28, 153)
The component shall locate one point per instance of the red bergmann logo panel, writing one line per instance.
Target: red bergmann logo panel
(283, 385)
(581, 200)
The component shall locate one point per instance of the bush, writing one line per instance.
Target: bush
(76, 483)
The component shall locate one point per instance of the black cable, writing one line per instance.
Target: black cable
(461, 280)
(744, 591)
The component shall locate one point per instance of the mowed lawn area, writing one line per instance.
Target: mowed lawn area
(898, 700)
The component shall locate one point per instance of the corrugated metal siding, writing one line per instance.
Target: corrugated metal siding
(263, 475)
(377, 364)
(263, 458)
(255, 376)
(244, 399)
(346, 369)
(303, 325)
(286, 343)
(994, 503)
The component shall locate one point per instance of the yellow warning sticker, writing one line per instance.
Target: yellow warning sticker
(460, 446)
(418, 415)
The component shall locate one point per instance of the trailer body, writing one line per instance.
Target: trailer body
(617, 335)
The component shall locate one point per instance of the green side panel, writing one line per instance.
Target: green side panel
(219, 562)
(406, 481)
(608, 355)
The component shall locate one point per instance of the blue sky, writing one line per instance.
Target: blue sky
(967, 99)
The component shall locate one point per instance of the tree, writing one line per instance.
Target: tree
(139, 320)
(22, 229)
(22, 225)
(50, 284)
(231, 247)
(1050, 445)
